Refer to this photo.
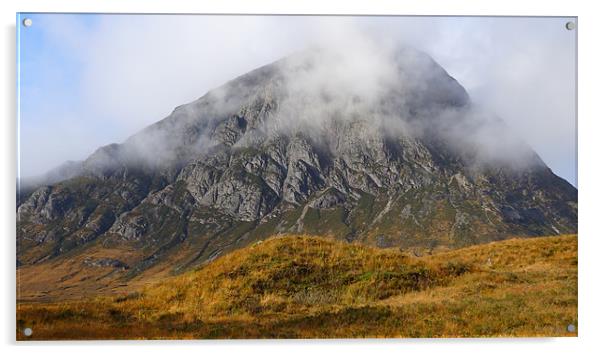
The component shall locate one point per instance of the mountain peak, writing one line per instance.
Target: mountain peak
(378, 146)
(312, 91)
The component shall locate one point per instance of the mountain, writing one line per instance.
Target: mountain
(386, 150)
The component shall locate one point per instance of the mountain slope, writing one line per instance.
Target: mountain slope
(394, 154)
(314, 287)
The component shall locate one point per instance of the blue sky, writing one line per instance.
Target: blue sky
(90, 80)
(52, 128)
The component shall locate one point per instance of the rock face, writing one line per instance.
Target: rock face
(105, 262)
(408, 162)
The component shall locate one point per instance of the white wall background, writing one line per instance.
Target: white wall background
(589, 176)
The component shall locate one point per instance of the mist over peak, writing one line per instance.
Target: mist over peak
(398, 91)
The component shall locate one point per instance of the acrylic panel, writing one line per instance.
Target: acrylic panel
(273, 176)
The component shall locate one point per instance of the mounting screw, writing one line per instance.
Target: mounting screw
(27, 332)
(27, 22)
(570, 25)
(571, 328)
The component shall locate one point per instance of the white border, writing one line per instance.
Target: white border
(590, 240)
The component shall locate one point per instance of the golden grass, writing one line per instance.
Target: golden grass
(311, 287)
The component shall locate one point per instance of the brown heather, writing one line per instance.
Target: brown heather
(313, 287)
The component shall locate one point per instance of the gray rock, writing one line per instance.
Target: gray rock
(105, 262)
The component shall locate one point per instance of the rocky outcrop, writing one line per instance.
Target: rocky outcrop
(105, 262)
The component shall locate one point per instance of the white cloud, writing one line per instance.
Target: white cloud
(136, 69)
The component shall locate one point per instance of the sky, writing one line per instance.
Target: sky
(88, 80)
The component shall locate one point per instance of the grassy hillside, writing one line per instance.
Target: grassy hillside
(310, 287)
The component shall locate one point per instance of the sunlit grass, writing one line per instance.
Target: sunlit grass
(312, 287)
